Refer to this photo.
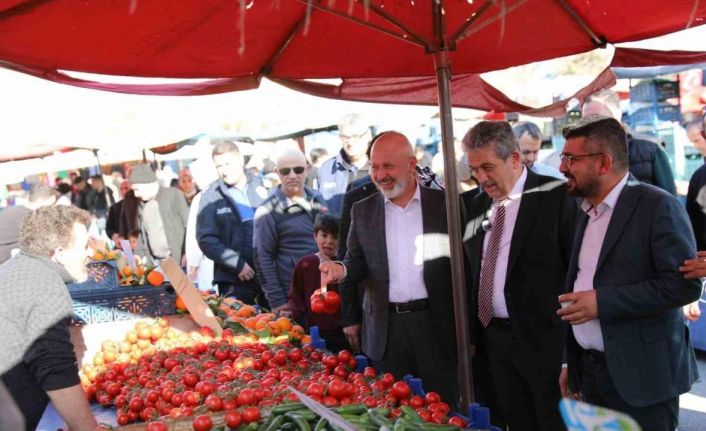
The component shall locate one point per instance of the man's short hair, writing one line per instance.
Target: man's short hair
(79, 179)
(328, 223)
(96, 177)
(47, 228)
(606, 134)
(499, 134)
(353, 120)
(523, 127)
(224, 147)
(63, 188)
(40, 192)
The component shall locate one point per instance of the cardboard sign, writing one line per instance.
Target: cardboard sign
(129, 255)
(193, 300)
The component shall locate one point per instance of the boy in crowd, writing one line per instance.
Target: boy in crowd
(307, 278)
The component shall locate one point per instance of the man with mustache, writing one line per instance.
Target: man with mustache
(398, 245)
(628, 348)
(284, 228)
(518, 242)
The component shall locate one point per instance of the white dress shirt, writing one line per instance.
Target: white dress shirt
(512, 206)
(404, 234)
(588, 334)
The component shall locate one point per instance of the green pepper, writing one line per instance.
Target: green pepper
(284, 408)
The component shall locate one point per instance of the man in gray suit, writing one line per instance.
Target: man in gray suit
(398, 244)
(628, 349)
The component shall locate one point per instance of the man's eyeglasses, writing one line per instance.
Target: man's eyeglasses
(571, 158)
(359, 136)
(297, 170)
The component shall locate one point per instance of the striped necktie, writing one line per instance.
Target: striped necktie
(487, 275)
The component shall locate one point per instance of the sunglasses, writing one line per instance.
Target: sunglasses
(297, 170)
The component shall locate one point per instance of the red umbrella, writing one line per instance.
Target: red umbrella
(236, 42)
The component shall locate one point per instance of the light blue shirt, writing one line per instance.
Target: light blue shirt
(240, 196)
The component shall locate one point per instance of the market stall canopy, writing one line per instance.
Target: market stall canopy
(230, 45)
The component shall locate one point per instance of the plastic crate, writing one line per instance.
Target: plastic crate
(123, 303)
(102, 274)
(654, 114)
(653, 91)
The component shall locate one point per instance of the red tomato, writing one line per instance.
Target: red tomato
(123, 419)
(400, 390)
(214, 403)
(332, 298)
(369, 372)
(233, 419)
(416, 402)
(246, 397)
(190, 379)
(337, 389)
(205, 388)
(440, 407)
(295, 355)
(387, 379)
(136, 405)
(251, 414)
(432, 397)
(318, 306)
(157, 426)
(329, 402)
(424, 414)
(438, 417)
(457, 422)
(202, 423)
(316, 389)
(370, 402)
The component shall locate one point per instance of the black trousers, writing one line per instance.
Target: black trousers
(413, 347)
(597, 388)
(527, 390)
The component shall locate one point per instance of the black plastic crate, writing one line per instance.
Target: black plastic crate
(653, 91)
(654, 114)
(123, 303)
(102, 274)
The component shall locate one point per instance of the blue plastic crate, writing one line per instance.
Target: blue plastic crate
(654, 114)
(102, 274)
(123, 303)
(653, 91)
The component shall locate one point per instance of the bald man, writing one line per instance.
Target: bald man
(398, 245)
(284, 228)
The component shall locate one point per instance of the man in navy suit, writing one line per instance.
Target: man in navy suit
(628, 348)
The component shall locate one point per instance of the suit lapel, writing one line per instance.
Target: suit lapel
(581, 222)
(379, 223)
(525, 216)
(620, 218)
(473, 238)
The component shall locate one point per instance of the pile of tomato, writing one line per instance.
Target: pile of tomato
(327, 302)
(245, 381)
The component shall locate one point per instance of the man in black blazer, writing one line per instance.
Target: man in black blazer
(628, 348)
(517, 242)
(398, 244)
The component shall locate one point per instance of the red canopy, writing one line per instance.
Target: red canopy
(288, 39)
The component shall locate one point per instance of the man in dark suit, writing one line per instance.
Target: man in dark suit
(517, 242)
(628, 348)
(398, 244)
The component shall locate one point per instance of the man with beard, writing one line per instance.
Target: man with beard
(37, 361)
(284, 228)
(517, 242)
(628, 348)
(398, 245)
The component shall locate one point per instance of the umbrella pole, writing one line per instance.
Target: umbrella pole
(453, 216)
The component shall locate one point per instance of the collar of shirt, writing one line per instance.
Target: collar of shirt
(416, 197)
(287, 202)
(519, 186)
(342, 161)
(609, 201)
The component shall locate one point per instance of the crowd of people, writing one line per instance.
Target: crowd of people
(579, 278)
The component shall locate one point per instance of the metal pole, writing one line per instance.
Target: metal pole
(442, 64)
